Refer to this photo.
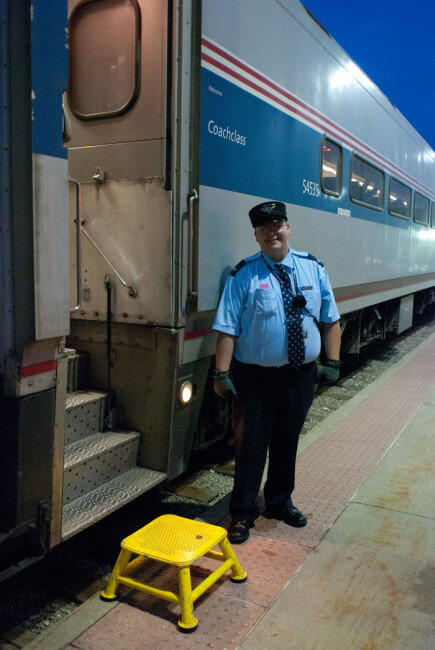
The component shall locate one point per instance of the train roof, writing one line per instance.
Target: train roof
(334, 48)
(314, 71)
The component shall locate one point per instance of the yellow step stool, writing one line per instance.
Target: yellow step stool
(177, 541)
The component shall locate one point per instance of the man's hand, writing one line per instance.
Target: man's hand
(224, 387)
(329, 372)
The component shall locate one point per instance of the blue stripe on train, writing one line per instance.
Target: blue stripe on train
(49, 75)
(274, 154)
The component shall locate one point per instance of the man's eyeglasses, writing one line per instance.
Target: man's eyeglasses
(274, 226)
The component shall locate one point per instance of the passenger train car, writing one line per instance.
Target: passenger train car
(135, 137)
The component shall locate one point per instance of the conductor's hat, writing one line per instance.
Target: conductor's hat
(271, 211)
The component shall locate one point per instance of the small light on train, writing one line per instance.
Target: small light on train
(370, 187)
(186, 392)
(393, 198)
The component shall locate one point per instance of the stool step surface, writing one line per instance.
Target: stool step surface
(174, 540)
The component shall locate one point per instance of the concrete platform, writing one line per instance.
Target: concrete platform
(359, 574)
(370, 583)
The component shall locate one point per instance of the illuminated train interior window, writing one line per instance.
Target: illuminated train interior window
(104, 58)
(399, 200)
(366, 184)
(332, 165)
(421, 209)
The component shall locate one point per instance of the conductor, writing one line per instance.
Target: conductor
(275, 308)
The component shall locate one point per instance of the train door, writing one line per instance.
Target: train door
(116, 137)
(128, 157)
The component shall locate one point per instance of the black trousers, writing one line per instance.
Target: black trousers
(269, 413)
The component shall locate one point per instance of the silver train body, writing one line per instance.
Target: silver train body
(138, 134)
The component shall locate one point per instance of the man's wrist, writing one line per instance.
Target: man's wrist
(218, 373)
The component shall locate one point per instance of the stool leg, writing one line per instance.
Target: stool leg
(187, 622)
(238, 575)
(109, 593)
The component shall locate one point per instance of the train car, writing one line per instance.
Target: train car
(136, 135)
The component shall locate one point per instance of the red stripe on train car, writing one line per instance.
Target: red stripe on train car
(194, 334)
(38, 368)
(349, 139)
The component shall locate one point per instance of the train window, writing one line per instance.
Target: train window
(332, 166)
(367, 184)
(399, 200)
(104, 58)
(432, 219)
(421, 209)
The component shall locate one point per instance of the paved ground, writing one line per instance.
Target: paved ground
(371, 581)
(358, 576)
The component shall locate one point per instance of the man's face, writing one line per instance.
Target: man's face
(273, 239)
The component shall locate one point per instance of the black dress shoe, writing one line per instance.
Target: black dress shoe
(238, 531)
(290, 515)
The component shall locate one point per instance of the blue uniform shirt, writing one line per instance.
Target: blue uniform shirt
(251, 308)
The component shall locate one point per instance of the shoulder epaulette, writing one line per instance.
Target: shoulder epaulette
(309, 257)
(237, 268)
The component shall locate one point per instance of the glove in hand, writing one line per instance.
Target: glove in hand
(329, 372)
(224, 387)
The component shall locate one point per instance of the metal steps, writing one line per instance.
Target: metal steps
(91, 447)
(95, 505)
(100, 466)
(85, 411)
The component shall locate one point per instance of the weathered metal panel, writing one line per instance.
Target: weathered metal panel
(50, 205)
(130, 221)
(186, 416)
(142, 376)
(146, 119)
(123, 160)
(185, 99)
(27, 452)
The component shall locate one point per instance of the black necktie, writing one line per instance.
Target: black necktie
(296, 348)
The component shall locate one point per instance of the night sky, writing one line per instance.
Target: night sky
(393, 41)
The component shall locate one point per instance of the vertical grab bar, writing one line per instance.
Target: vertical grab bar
(192, 197)
(74, 181)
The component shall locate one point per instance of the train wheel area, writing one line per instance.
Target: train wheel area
(358, 575)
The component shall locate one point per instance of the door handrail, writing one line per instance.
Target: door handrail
(133, 292)
(192, 197)
(74, 181)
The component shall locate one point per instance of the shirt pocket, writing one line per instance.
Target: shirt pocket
(313, 303)
(265, 303)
